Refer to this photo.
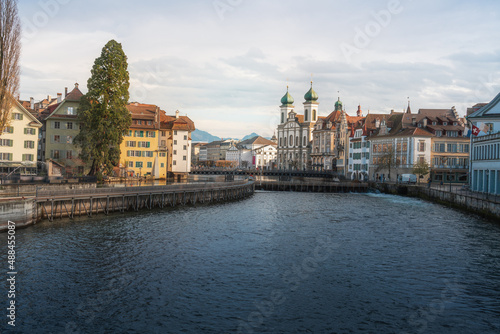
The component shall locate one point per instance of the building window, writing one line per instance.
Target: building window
(29, 131)
(175, 152)
(27, 157)
(6, 142)
(150, 164)
(175, 142)
(184, 158)
(184, 148)
(175, 132)
(57, 125)
(439, 133)
(6, 156)
(70, 111)
(421, 146)
(69, 125)
(8, 129)
(314, 115)
(17, 116)
(150, 122)
(69, 139)
(163, 133)
(57, 139)
(69, 154)
(185, 137)
(452, 133)
(174, 162)
(138, 164)
(131, 164)
(162, 165)
(55, 154)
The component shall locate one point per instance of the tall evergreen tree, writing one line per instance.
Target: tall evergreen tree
(102, 113)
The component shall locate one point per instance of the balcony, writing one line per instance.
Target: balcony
(486, 137)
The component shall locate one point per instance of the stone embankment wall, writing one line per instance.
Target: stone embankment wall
(466, 201)
(20, 211)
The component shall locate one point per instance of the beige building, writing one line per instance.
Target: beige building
(19, 142)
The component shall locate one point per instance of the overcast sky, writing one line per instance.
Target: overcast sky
(226, 63)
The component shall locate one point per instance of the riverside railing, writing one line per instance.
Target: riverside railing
(138, 189)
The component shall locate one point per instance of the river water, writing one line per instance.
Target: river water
(279, 262)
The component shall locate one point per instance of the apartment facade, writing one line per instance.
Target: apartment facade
(19, 142)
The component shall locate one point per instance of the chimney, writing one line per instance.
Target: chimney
(383, 128)
(359, 113)
(377, 123)
(177, 114)
(59, 97)
(32, 103)
(48, 98)
(65, 92)
(424, 121)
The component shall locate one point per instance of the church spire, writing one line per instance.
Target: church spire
(408, 110)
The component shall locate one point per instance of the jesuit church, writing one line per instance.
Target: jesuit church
(295, 131)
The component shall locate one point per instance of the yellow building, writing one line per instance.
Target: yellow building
(156, 145)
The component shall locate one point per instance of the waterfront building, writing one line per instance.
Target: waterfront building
(485, 148)
(156, 145)
(330, 145)
(224, 146)
(195, 153)
(295, 132)
(19, 142)
(449, 146)
(359, 145)
(140, 145)
(203, 155)
(255, 152)
(395, 149)
(213, 151)
(60, 127)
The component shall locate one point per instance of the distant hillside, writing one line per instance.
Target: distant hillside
(253, 134)
(202, 136)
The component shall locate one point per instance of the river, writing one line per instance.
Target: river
(278, 262)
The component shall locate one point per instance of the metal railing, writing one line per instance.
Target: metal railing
(139, 189)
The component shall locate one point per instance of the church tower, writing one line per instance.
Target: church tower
(286, 106)
(311, 106)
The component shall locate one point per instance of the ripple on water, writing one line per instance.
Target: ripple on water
(275, 263)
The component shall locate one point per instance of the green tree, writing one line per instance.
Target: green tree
(421, 168)
(102, 113)
(10, 51)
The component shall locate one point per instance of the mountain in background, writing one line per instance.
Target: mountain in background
(253, 134)
(202, 136)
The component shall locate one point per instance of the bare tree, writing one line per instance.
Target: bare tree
(387, 160)
(10, 51)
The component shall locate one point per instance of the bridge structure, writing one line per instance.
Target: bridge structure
(88, 202)
(282, 173)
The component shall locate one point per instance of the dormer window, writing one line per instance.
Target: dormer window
(433, 123)
(455, 123)
(445, 123)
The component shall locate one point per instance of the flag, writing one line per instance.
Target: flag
(485, 128)
(467, 132)
(475, 130)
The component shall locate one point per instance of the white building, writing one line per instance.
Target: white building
(19, 142)
(295, 131)
(485, 148)
(256, 152)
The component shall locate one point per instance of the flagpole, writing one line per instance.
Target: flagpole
(471, 153)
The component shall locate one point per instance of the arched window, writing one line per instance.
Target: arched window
(281, 141)
(284, 141)
(314, 114)
(306, 115)
(282, 117)
(297, 141)
(304, 143)
(291, 141)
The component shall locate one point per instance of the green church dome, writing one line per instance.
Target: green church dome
(338, 105)
(311, 95)
(287, 99)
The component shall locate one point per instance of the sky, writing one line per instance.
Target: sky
(227, 63)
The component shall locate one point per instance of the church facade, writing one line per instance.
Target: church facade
(295, 132)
